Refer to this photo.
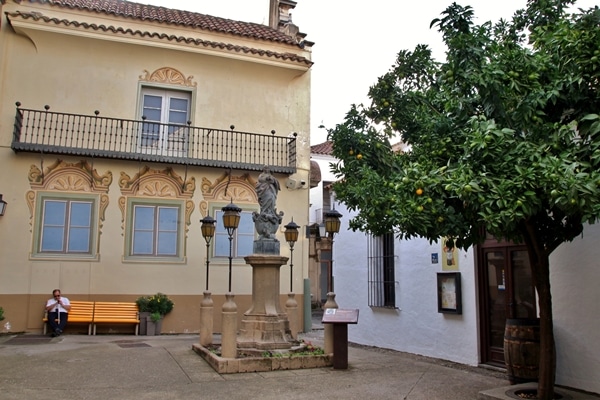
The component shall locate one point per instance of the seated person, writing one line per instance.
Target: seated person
(58, 312)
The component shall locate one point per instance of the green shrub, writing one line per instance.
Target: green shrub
(158, 303)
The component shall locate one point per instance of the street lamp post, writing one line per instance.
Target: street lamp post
(291, 236)
(332, 226)
(231, 220)
(208, 232)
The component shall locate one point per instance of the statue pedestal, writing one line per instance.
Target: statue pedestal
(265, 326)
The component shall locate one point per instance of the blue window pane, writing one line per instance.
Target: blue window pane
(245, 245)
(221, 245)
(246, 224)
(152, 115)
(167, 219)
(79, 240)
(142, 243)
(152, 101)
(52, 238)
(143, 218)
(179, 104)
(152, 108)
(54, 212)
(178, 117)
(81, 214)
(167, 243)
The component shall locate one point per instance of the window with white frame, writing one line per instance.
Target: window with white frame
(154, 229)
(242, 240)
(165, 114)
(66, 226)
(381, 270)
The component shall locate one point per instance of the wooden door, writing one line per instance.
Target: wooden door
(505, 291)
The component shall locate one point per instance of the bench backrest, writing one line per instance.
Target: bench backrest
(81, 310)
(115, 311)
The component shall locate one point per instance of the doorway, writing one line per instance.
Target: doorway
(505, 291)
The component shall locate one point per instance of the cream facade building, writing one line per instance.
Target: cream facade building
(121, 126)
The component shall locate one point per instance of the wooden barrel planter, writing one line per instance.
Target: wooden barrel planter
(522, 350)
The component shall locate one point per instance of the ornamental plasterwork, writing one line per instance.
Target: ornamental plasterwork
(68, 177)
(157, 183)
(239, 189)
(168, 75)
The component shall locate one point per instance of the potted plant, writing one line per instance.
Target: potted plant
(155, 307)
(153, 324)
(142, 303)
(1, 313)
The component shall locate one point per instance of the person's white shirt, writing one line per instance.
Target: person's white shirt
(53, 302)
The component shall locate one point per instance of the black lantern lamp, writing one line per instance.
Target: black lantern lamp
(231, 220)
(332, 226)
(332, 222)
(291, 236)
(208, 232)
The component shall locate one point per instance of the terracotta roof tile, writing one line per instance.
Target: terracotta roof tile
(325, 148)
(143, 12)
(146, 12)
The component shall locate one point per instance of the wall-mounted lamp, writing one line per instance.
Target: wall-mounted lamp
(2, 206)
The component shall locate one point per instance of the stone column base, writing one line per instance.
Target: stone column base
(264, 333)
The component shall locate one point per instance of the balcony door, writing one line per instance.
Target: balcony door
(506, 291)
(165, 130)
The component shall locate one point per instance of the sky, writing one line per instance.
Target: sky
(356, 41)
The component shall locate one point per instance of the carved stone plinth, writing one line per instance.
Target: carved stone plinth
(265, 326)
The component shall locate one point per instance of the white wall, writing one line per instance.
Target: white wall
(316, 193)
(575, 276)
(416, 326)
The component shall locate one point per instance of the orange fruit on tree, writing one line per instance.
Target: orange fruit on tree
(419, 191)
(359, 156)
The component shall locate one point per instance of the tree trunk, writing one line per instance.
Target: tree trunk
(540, 267)
(547, 349)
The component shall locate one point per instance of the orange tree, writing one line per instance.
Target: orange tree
(503, 137)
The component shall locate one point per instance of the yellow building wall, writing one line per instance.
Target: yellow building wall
(79, 72)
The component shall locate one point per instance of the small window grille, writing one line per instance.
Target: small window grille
(382, 281)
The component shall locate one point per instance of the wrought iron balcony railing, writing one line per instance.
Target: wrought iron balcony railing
(91, 135)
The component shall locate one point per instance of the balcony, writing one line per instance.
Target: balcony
(94, 136)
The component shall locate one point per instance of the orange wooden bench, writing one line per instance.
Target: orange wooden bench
(81, 312)
(108, 312)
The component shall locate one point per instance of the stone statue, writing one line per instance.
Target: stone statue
(267, 221)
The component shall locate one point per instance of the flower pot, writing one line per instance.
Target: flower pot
(153, 328)
(143, 316)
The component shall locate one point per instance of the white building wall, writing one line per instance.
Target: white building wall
(415, 326)
(575, 276)
(316, 193)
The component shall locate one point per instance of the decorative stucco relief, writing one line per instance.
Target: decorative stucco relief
(157, 183)
(68, 177)
(239, 189)
(168, 75)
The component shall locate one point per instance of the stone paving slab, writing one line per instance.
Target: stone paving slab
(81, 367)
